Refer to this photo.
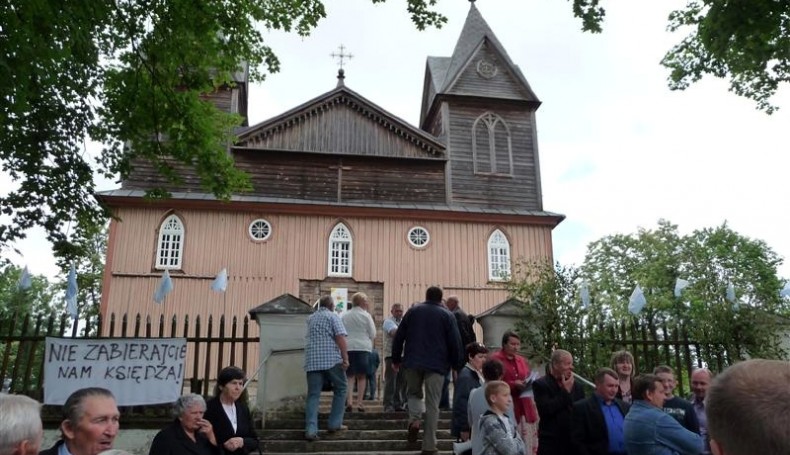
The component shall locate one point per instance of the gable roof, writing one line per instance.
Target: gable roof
(443, 72)
(343, 109)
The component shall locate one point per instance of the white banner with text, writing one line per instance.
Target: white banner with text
(137, 371)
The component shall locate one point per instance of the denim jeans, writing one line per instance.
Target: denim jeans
(315, 380)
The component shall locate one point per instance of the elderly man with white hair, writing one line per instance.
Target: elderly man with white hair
(20, 425)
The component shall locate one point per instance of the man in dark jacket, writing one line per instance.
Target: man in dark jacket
(463, 320)
(432, 348)
(467, 332)
(598, 420)
(555, 394)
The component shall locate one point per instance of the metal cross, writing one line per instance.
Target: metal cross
(341, 56)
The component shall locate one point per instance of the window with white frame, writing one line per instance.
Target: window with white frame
(419, 237)
(260, 230)
(340, 251)
(170, 245)
(498, 257)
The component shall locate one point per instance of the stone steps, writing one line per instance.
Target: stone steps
(354, 433)
(325, 445)
(373, 432)
(410, 452)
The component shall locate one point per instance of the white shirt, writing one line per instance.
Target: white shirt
(390, 324)
(361, 329)
(230, 411)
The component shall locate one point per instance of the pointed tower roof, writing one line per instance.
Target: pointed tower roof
(442, 73)
(475, 30)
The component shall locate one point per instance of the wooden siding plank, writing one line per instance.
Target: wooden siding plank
(517, 191)
(341, 128)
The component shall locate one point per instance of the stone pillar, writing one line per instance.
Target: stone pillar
(499, 319)
(281, 378)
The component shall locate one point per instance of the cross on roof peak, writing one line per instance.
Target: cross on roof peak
(341, 56)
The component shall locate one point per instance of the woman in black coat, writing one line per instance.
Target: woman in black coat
(231, 419)
(189, 434)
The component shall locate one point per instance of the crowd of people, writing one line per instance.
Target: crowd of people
(91, 421)
(500, 406)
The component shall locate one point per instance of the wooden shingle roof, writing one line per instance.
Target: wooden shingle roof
(442, 73)
(335, 123)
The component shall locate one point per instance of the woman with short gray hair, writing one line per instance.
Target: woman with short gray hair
(190, 433)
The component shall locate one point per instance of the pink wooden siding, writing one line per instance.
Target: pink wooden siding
(455, 259)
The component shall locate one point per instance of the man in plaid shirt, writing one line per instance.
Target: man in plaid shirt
(325, 359)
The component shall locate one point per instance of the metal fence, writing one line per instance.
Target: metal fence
(651, 345)
(211, 345)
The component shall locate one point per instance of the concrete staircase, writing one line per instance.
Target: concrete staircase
(371, 432)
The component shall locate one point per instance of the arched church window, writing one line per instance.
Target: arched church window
(491, 145)
(170, 244)
(340, 251)
(498, 257)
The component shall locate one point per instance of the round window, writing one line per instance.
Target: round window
(419, 237)
(260, 230)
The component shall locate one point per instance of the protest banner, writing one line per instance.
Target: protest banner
(138, 371)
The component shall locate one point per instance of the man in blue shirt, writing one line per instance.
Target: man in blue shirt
(648, 430)
(598, 420)
(325, 358)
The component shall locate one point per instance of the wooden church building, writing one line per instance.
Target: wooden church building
(347, 195)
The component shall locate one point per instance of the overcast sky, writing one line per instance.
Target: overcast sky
(618, 149)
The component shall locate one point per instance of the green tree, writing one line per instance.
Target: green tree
(746, 41)
(716, 257)
(36, 300)
(87, 251)
(553, 314)
(722, 332)
(710, 259)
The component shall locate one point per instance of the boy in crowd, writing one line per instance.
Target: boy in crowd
(498, 432)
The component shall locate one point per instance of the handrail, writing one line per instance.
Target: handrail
(582, 379)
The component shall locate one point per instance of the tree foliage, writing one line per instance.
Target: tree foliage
(746, 41)
(14, 300)
(553, 317)
(87, 254)
(710, 259)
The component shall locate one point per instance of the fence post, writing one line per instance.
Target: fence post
(207, 367)
(233, 340)
(221, 349)
(20, 349)
(246, 332)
